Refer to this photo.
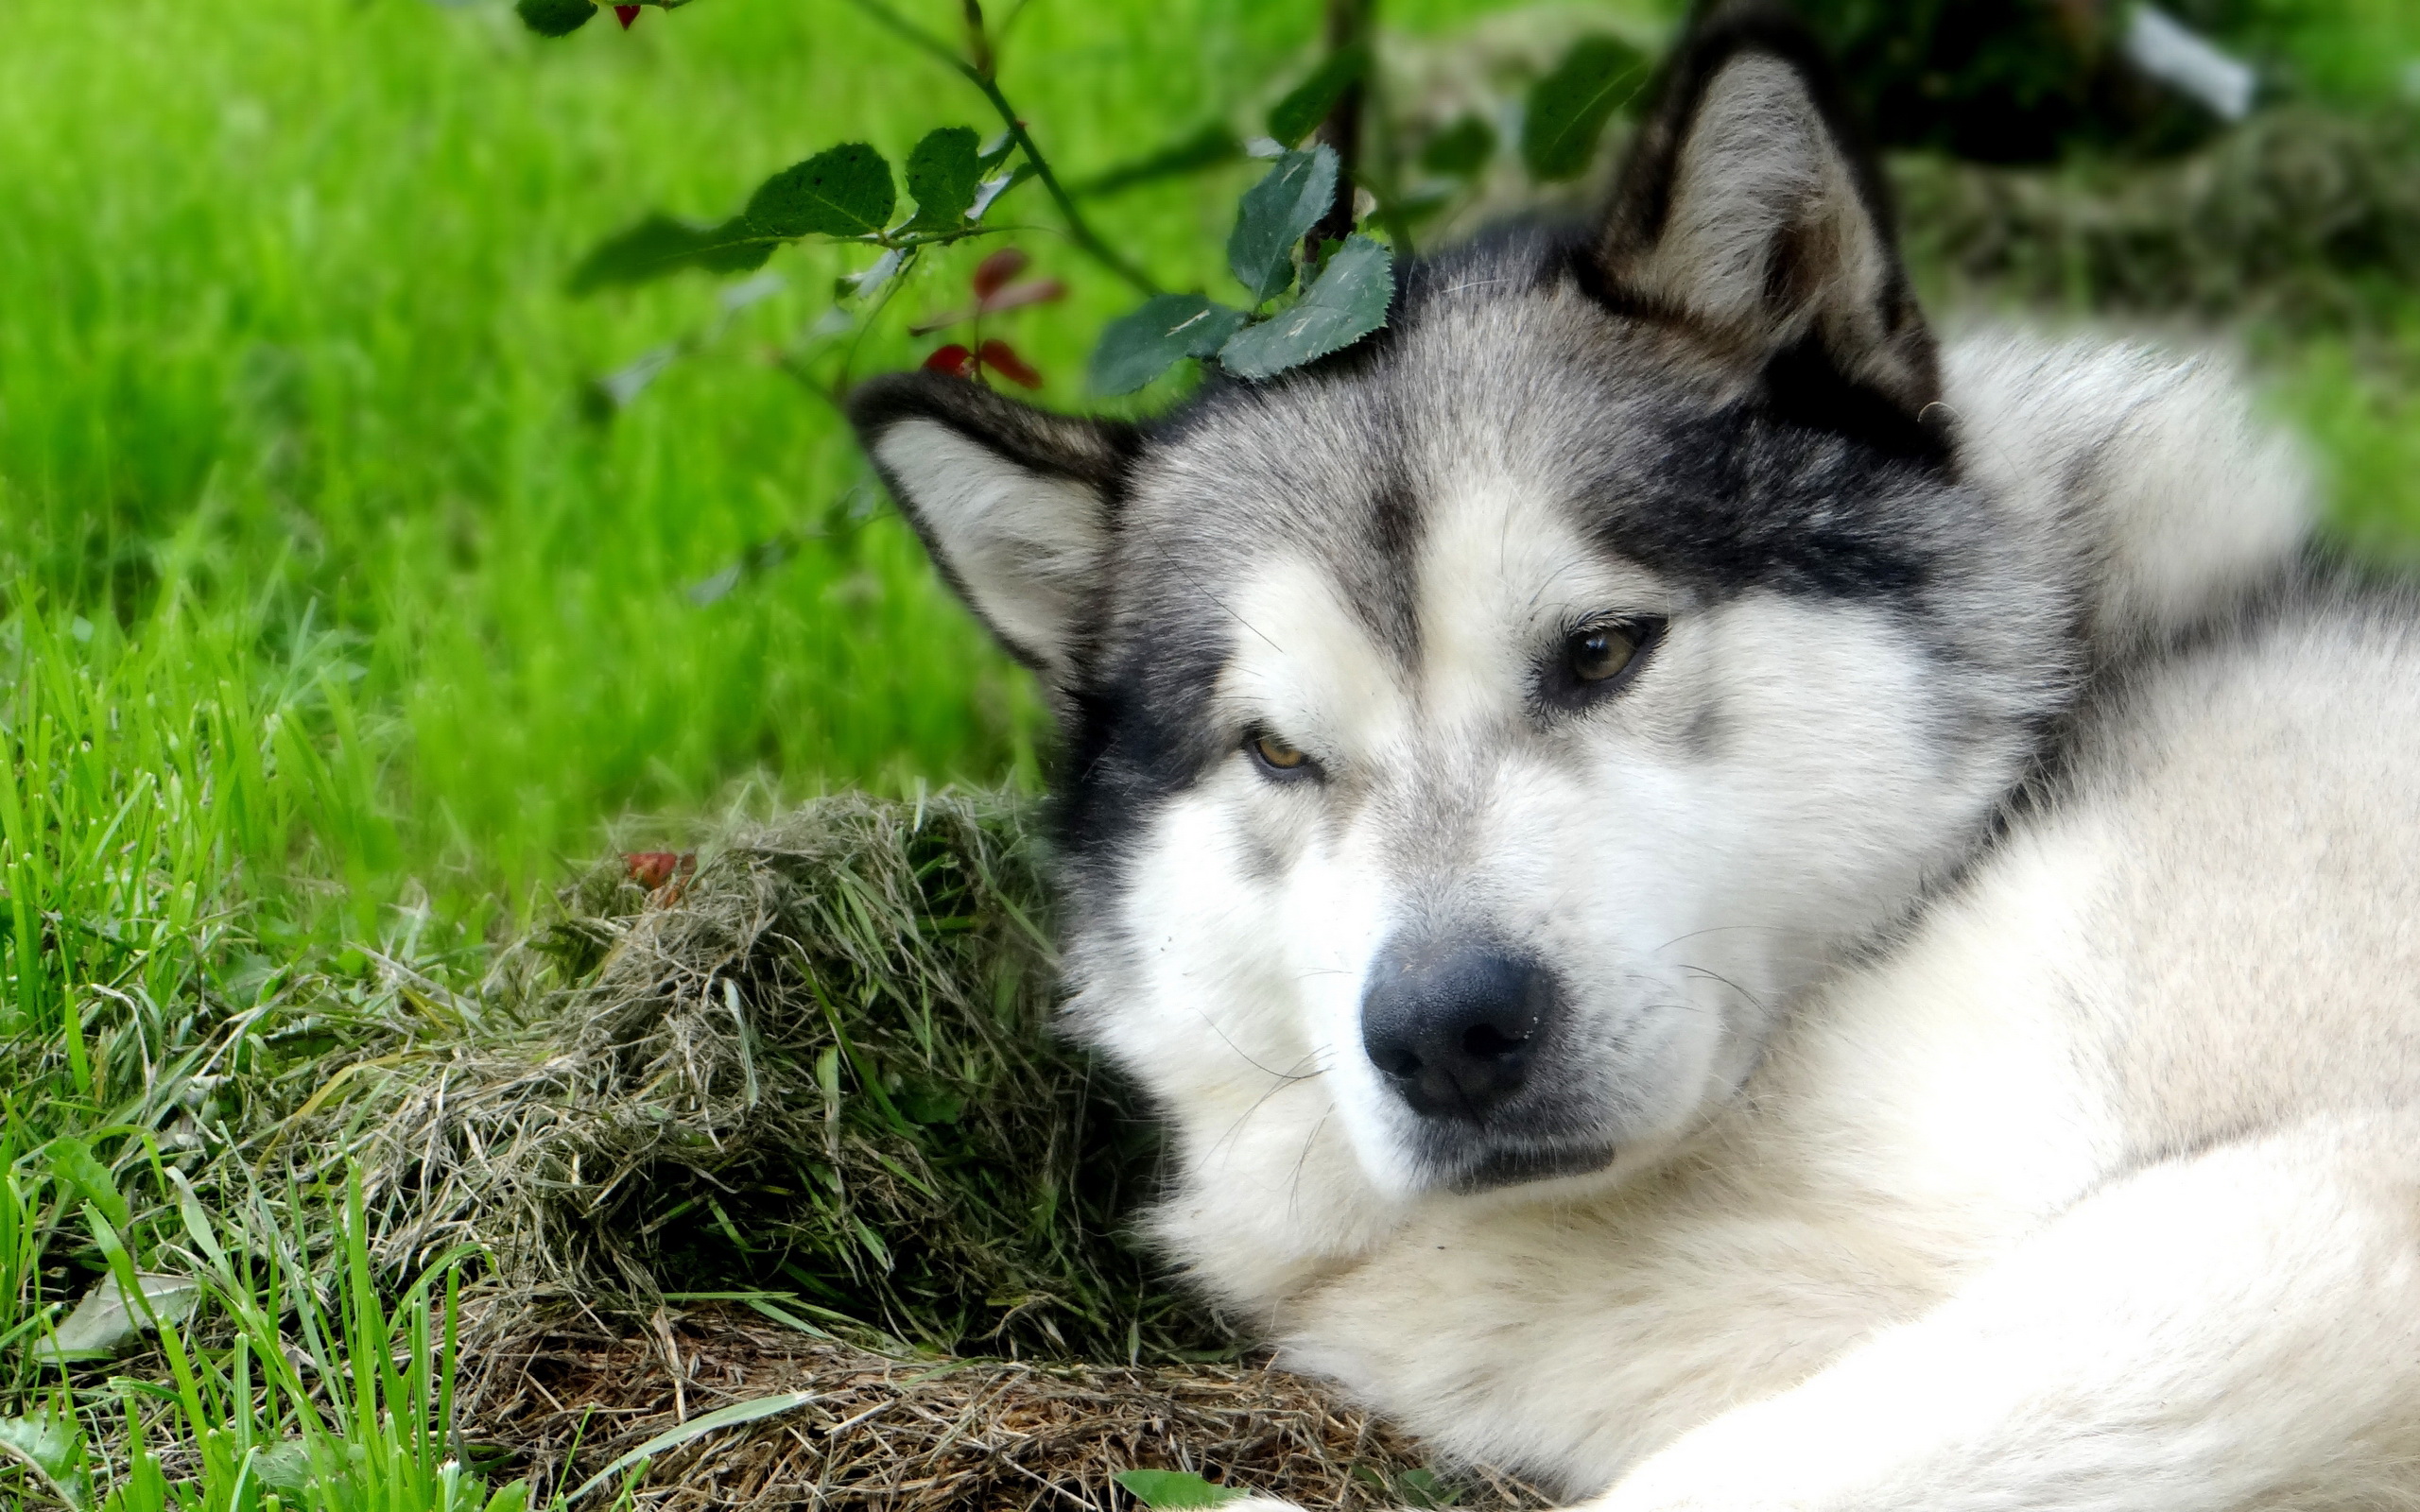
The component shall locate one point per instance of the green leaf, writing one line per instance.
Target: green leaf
(698, 1426)
(661, 245)
(286, 1468)
(842, 191)
(555, 18)
(1299, 112)
(1568, 108)
(1161, 1490)
(1166, 331)
(513, 1497)
(72, 1163)
(1348, 302)
(1212, 146)
(941, 175)
(51, 1448)
(1274, 216)
(1461, 149)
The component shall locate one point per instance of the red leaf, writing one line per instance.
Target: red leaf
(997, 269)
(625, 14)
(1015, 296)
(652, 868)
(1003, 359)
(955, 360)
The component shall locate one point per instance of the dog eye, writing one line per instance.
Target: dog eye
(1599, 651)
(1275, 754)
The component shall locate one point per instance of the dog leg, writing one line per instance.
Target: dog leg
(2236, 1328)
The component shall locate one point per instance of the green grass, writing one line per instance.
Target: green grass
(331, 633)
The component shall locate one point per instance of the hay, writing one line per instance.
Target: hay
(917, 1434)
(2299, 214)
(809, 1073)
(818, 1069)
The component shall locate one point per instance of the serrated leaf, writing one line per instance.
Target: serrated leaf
(284, 1468)
(842, 191)
(1346, 302)
(1570, 107)
(738, 1411)
(1461, 149)
(1162, 1490)
(107, 1320)
(49, 1447)
(1166, 330)
(941, 176)
(555, 18)
(1307, 105)
(661, 245)
(75, 1166)
(1274, 214)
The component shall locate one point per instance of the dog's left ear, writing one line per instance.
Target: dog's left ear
(1015, 503)
(1750, 210)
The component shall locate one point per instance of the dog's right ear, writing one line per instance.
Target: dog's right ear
(1013, 503)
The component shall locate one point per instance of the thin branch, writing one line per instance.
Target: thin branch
(1348, 26)
(1078, 231)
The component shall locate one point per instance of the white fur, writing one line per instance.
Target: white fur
(2155, 456)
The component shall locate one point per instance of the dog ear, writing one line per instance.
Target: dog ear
(1013, 502)
(1750, 210)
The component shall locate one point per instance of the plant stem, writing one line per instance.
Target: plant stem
(1078, 229)
(1348, 26)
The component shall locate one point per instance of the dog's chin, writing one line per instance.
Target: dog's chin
(1492, 1166)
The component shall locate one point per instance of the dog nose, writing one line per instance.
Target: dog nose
(1454, 1027)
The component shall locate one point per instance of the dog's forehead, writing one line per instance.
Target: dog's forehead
(1483, 430)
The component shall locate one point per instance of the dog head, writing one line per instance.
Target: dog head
(1476, 739)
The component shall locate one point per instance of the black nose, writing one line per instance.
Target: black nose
(1454, 1026)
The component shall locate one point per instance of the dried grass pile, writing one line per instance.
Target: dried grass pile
(816, 1068)
(2299, 214)
(788, 1118)
(923, 1436)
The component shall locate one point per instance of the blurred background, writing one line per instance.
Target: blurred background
(355, 575)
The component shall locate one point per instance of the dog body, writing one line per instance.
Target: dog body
(1722, 906)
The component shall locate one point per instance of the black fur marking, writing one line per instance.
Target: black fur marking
(1136, 737)
(1096, 452)
(1741, 499)
(1803, 385)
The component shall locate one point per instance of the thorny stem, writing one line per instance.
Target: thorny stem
(1078, 231)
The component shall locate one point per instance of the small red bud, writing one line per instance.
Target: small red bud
(625, 14)
(1003, 359)
(997, 269)
(953, 359)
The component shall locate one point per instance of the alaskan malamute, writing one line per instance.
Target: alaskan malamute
(1732, 910)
